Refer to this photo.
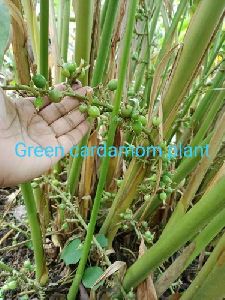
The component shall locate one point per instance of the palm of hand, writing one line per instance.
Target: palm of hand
(56, 124)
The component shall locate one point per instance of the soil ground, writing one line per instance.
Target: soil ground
(15, 248)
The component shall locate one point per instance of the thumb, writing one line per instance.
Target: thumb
(7, 110)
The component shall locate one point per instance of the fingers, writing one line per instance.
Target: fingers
(68, 140)
(67, 123)
(54, 111)
(60, 87)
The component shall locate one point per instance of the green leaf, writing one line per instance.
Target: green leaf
(102, 240)
(72, 252)
(4, 29)
(91, 275)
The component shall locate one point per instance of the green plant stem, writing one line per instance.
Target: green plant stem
(41, 269)
(95, 101)
(197, 177)
(210, 94)
(6, 268)
(196, 246)
(217, 47)
(163, 60)
(184, 169)
(55, 51)
(84, 19)
(205, 102)
(165, 17)
(195, 219)
(208, 120)
(36, 236)
(103, 13)
(65, 32)
(126, 194)
(141, 69)
(198, 37)
(151, 29)
(60, 20)
(188, 165)
(75, 169)
(169, 35)
(81, 220)
(44, 21)
(69, 93)
(209, 283)
(74, 174)
(105, 163)
(105, 42)
(207, 235)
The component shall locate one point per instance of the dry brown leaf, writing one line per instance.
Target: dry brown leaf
(19, 42)
(146, 289)
(15, 13)
(114, 165)
(216, 178)
(10, 202)
(157, 80)
(116, 266)
(175, 296)
(88, 168)
(88, 176)
(117, 36)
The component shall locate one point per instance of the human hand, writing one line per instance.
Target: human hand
(55, 124)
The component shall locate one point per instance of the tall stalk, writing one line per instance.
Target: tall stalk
(44, 21)
(103, 13)
(75, 169)
(209, 118)
(105, 42)
(163, 57)
(105, 163)
(41, 272)
(55, 42)
(197, 177)
(207, 100)
(169, 35)
(141, 69)
(106, 36)
(209, 283)
(84, 19)
(125, 196)
(65, 32)
(26, 189)
(60, 20)
(193, 249)
(36, 236)
(198, 37)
